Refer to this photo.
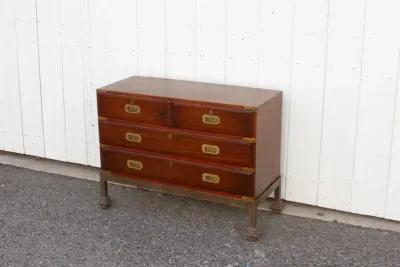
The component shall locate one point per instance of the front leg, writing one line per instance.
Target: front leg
(252, 234)
(104, 198)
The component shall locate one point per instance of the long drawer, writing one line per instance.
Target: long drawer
(229, 179)
(210, 147)
(207, 117)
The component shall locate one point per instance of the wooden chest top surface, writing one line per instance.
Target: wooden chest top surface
(194, 91)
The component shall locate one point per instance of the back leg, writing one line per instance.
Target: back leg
(277, 204)
(104, 198)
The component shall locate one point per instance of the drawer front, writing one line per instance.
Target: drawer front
(177, 142)
(133, 108)
(159, 168)
(213, 119)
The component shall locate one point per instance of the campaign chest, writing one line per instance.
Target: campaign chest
(213, 142)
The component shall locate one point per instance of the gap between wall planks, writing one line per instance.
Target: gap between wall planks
(336, 61)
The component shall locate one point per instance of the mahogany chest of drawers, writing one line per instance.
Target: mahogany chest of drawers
(213, 142)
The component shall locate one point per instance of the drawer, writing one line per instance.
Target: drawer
(213, 119)
(133, 108)
(179, 142)
(233, 180)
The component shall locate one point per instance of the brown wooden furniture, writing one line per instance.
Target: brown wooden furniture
(213, 142)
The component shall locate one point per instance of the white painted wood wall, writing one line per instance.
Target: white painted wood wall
(337, 62)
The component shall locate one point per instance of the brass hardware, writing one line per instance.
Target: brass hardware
(249, 108)
(133, 137)
(134, 164)
(211, 119)
(210, 178)
(134, 109)
(210, 149)
(244, 198)
(249, 170)
(102, 118)
(249, 139)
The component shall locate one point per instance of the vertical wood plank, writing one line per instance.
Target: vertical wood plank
(151, 25)
(10, 106)
(180, 39)
(341, 99)
(123, 38)
(101, 66)
(275, 52)
(275, 42)
(102, 63)
(392, 210)
(92, 136)
(211, 40)
(50, 56)
(242, 48)
(72, 73)
(376, 108)
(29, 79)
(306, 102)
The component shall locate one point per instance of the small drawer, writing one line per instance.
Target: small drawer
(213, 119)
(233, 180)
(183, 143)
(133, 108)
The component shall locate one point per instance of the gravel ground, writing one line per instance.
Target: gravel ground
(52, 220)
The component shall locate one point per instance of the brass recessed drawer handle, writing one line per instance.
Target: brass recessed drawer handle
(210, 149)
(210, 119)
(133, 137)
(210, 178)
(134, 164)
(131, 108)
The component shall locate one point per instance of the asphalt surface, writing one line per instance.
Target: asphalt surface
(52, 220)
